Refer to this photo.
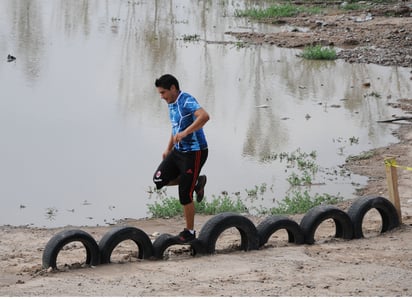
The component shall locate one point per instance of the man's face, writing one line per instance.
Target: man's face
(169, 95)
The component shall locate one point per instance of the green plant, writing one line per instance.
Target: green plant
(240, 44)
(276, 11)
(299, 202)
(220, 204)
(373, 94)
(353, 140)
(170, 206)
(305, 163)
(191, 37)
(51, 213)
(252, 194)
(305, 179)
(318, 52)
(159, 193)
(361, 156)
(351, 6)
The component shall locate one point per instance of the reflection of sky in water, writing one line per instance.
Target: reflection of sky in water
(80, 120)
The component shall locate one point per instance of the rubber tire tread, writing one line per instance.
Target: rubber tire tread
(163, 242)
(361, 206)
(315, 216)
(59, 240)
(212, 229)
(119, 234)
(273, 223)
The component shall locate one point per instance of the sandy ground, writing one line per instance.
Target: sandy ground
(377, 265)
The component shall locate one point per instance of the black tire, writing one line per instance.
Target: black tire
(361, 206)
(163, 242)
(197, 247)
(273, 223)
(119, 234)
(212, 229)
(315, 216)
(59, 240)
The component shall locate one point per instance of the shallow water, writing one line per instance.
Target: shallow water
(82, 127)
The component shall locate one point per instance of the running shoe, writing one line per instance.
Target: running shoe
(186, 236)
(200, 187)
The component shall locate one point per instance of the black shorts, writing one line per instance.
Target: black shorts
(187, 165)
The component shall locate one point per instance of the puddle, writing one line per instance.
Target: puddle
(81, 121)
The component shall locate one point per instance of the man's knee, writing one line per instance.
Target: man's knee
(185, 197)
(158, 180)
(185, 200)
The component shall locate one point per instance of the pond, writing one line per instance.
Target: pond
(83, 128)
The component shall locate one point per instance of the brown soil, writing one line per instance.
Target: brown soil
(365, 36)
(377, 265)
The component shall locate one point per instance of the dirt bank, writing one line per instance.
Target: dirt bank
(379, 265)
(364, 36)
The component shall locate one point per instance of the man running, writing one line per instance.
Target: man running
(186, 151)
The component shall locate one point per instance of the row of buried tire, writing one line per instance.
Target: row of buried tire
(348, 226)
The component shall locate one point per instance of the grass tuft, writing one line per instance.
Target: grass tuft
(318, 52)
(170, 206)
(298, 203)
(276, 11)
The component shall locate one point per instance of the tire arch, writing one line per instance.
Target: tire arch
(212, 229)
(273, 223)
(361, 206)
(59, 240)
(119, 234)
(161, 243)
(164, 241)
(315, 216)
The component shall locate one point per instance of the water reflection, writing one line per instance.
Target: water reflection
(81, 121)
(26, 31)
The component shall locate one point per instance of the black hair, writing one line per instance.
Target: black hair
(166, 82)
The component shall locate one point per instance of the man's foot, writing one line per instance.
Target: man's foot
(200, 187)
(186, 236)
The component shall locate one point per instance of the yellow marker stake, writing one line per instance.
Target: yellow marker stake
(392, 180)
(392, 162)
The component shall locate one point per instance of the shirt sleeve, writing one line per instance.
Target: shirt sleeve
(191, 104)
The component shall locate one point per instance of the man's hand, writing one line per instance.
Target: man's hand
(201, 118)
(165, 153)
(178, 137)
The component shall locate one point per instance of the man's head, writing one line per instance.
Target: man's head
(168, 88)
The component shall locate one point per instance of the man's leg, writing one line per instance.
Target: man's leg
(189, 171)
(174, 182)
(167, 174)
(188, 234)
(189, 212)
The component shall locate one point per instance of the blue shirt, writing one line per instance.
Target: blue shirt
(181, 114)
